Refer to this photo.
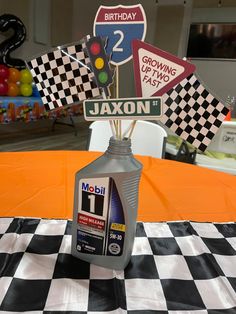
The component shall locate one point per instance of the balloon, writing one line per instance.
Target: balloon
(26, 89)
(4, 71)
(25, 76)
(2, 79)
(3, 88)
(14, 75)
(10, 21)
(13, 90)
(35, 91)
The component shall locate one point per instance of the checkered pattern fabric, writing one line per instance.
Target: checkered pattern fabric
(192, 112)
(175, 267)
(62, 76)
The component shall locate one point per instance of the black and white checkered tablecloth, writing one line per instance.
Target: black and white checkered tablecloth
(176, 267)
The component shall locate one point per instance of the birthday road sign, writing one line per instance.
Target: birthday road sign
(157, 71)
(121, 24)
(126, 108)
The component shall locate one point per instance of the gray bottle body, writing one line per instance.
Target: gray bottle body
(105, 207)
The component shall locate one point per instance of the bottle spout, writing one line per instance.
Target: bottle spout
(119, 147)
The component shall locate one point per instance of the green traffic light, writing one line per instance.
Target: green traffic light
(103, 77)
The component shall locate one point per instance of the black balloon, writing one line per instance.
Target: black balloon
(9, 21)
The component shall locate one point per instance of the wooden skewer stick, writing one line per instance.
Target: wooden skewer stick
(117, 129)
(120, 129)
(111, 125)
(127, 130)
(112, 129)
(119, 125)
(132, 129)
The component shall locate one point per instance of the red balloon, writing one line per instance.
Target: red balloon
(3, 79)
(4, 71)
(3, 88)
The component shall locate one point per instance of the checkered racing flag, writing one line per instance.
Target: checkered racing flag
(62, 76)
(192, 112)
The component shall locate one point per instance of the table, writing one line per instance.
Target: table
(227, 165)
(223, 142)
(27, 109)
(184, 252)
(41, 184)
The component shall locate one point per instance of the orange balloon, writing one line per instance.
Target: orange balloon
(13, 90)
(14, 75)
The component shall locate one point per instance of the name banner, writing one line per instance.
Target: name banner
(126, 108)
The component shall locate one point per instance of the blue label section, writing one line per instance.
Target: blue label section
(115, 239)
(121, 35)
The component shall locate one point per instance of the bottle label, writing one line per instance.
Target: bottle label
(100, 219)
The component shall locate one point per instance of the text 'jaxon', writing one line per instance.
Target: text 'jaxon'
(126, 108)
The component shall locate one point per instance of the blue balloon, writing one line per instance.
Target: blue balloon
(35, 91)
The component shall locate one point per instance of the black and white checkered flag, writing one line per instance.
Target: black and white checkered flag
(192, 112)
(62, 76)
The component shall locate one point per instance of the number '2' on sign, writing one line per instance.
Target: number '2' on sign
(121, 25)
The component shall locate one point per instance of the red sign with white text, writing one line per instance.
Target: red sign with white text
(157, 71)
(91, 221)
(120, 13)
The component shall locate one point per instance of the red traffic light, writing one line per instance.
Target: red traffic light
(95, 48)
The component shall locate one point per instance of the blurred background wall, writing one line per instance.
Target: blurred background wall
(50, 23)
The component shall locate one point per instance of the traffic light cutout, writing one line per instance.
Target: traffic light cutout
(99, 61)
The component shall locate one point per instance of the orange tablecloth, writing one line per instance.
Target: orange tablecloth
(41, 184)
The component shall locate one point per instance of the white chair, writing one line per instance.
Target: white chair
(147, 139)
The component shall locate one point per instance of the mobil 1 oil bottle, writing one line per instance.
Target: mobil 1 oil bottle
(105, 207)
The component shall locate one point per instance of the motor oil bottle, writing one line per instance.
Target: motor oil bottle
(105, 207)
